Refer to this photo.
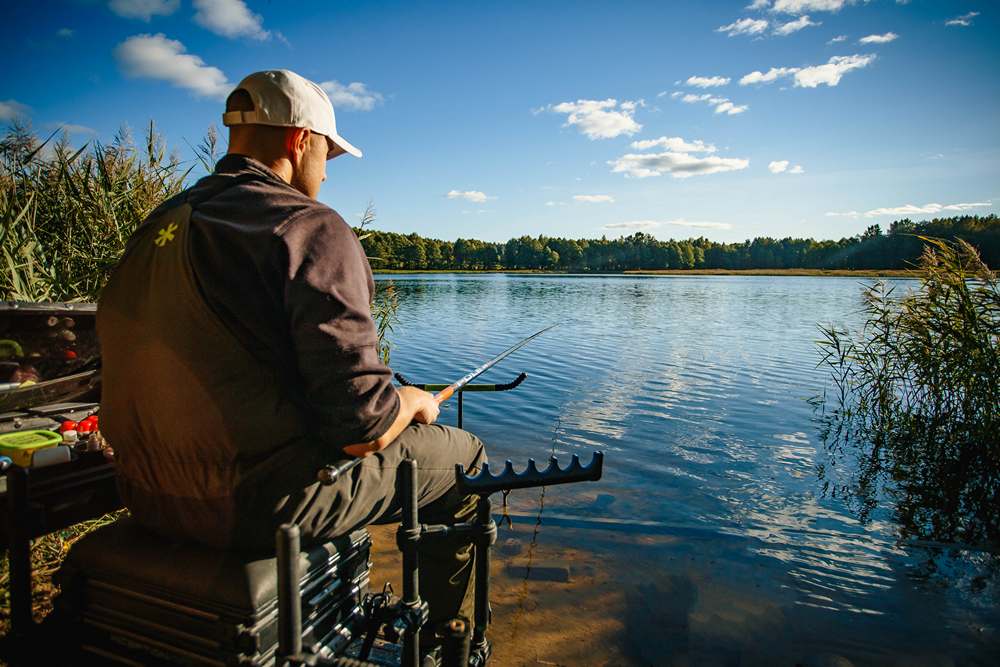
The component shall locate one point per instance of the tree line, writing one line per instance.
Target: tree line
(898, 247)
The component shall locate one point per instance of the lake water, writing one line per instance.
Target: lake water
(708, 541)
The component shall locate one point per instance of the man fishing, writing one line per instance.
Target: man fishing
(240, 357)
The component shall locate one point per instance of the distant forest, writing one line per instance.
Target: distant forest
(895, 248)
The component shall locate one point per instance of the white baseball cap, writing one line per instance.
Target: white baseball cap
(283, 98)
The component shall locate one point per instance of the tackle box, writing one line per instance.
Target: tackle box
(135, 598)
(21, 446)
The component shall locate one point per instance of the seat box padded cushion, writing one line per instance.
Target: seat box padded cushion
(127, 554)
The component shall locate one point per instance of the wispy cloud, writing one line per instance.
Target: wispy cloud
(964, 20)
(723, 105)
(838, 39)
(65, 33)
(144, 10)
(594, 199)
(72, 128)
(475, 196)
(355, 96)
(676, 144)
(781, 167)
(912, 209)
(600, 119)
(804, 6)
(656, 224)
(829, 74)
(157, 57)
(678, 165)
(11, 109)
(770, 76)
(229, 18)
(746, 26)
(879, 39)
(707, 81)
(794, 26)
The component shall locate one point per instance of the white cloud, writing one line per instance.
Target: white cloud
(601, 119)
(831, 73)
(804, 6)
(678, 165)
(838, 39)
(911, 209)
(707, 81)
(781, 166)
(144, 10)
(555, 203)
(156, 57)
(65, 33)
(594, 199)
(679, 222)
(475, 196)
(879, 39)
(355, 96)
(794, 26)
(964, 20)
(229, 18)
(727, 107)
(744, 27)
(72, 128)
(811, 77)
(721, 104)
(770, 76)
(676, 144)
(11, 109)
(758, 4)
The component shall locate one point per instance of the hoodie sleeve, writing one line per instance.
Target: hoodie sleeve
(328, 297)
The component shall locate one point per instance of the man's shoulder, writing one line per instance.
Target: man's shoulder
(313, 214)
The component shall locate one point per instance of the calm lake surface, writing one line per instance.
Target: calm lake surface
(708, 541)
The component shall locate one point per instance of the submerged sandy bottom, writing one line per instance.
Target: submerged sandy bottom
(635, 599)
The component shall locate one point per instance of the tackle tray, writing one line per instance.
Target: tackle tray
(128, 601)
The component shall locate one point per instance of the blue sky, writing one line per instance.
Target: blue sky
(492, 120)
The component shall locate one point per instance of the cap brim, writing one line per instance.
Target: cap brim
(339, 145)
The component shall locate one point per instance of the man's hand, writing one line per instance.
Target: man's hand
(415, 405)
(425, 407)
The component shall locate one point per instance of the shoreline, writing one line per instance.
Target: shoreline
(839, 273)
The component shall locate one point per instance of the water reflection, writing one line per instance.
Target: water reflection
(709, 532)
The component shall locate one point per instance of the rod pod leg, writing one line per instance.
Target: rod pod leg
(485, 537)
(289, 595)
(407, 538)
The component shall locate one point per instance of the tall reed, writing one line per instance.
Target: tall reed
(914, 410)
(65, 215)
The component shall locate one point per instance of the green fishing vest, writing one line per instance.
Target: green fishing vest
(203, 437)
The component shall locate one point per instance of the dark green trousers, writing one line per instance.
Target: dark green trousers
(369, 496)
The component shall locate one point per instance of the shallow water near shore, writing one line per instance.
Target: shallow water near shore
(708, 541)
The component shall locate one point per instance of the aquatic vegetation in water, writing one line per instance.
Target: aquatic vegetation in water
(914, 410)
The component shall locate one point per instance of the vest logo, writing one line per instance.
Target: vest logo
(165, 235)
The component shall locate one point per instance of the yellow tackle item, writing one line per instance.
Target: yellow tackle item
(21, 446)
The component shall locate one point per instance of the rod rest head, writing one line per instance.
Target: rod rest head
(485, 482)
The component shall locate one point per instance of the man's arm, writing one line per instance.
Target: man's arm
(346, 386)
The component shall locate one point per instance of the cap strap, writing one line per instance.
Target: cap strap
(239, 118)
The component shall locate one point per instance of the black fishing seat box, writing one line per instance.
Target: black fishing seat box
(131, 597)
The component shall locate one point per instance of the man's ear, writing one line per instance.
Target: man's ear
(296, 143)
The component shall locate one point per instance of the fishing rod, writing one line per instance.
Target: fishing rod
(329, 474)
(450, 390)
